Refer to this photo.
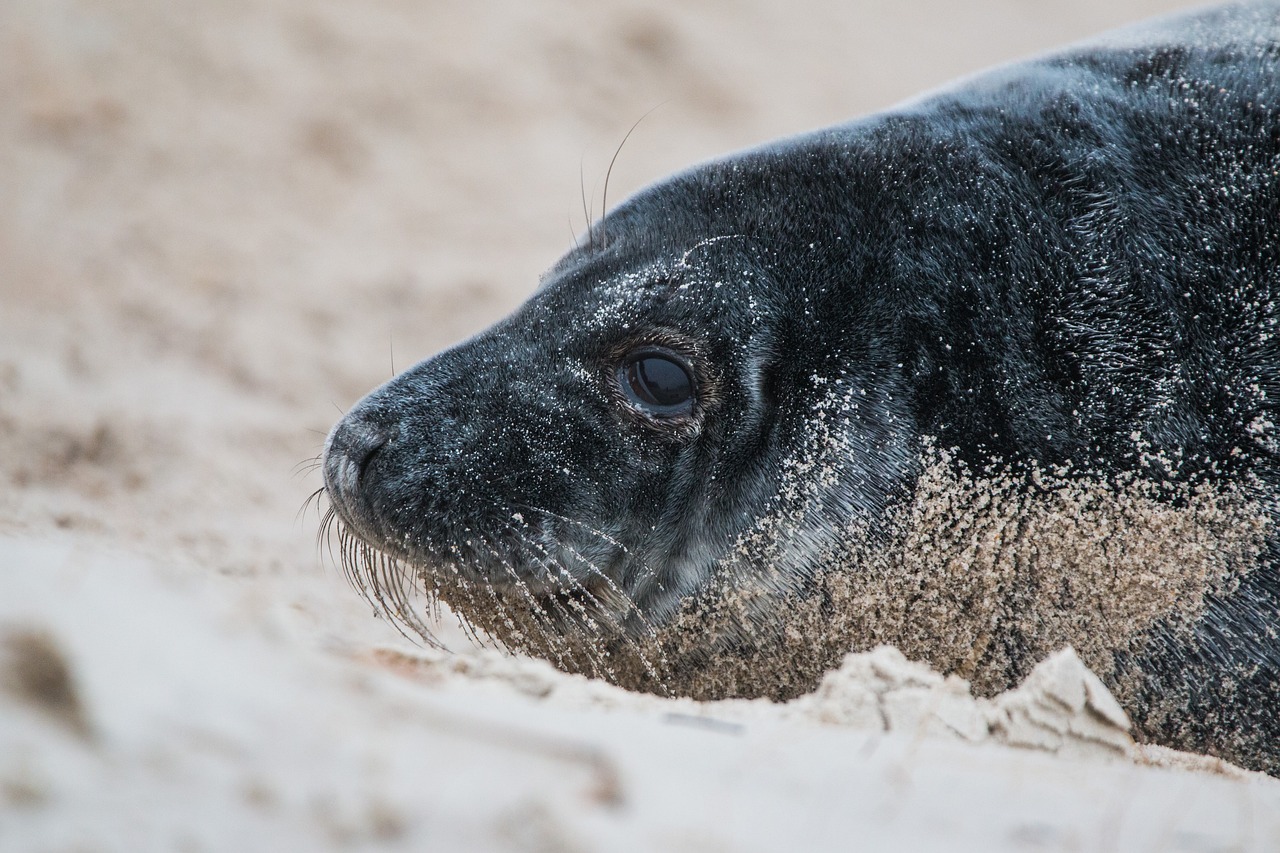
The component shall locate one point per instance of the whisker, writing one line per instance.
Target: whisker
(499, 608)
(571, 615)
(388, 585)
(576, 617)
(630, 608)
(558, 645)
(604, 196)
(390, 580)
(578, 623)
(380, 579)
(586, 209)
(314, 498)
(603, 611)
(468, 627)
(600, 534)
(510, 475)
(596, 571)
(325, 535)
(306, 466)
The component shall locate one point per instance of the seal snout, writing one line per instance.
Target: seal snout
(352, 446)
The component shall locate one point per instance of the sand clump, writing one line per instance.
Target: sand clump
(1061, 707)
(35, 670)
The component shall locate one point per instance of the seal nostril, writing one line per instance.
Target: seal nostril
(361, 453)
(353, 446)
(367, 444)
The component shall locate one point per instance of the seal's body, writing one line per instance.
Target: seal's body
(992, 372)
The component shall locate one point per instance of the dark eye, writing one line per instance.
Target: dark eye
(657, 383)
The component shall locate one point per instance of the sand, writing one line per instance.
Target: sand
(223, 222)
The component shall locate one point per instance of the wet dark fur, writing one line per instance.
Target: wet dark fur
(1068, 262)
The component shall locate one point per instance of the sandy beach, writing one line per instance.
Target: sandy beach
(222, 224)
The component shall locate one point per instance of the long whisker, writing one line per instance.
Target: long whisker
(306, 466)
(601, 610)
(647, 572)
(392, 595)
(504, 614)
(381, 580)
(325, 535)
(586, 209)
(573, 612)
(312, 499)
(401, 585)
(555, 643)
(604, 195)
(630, 606)
(544, 625)
(468, 628)
(576, 616)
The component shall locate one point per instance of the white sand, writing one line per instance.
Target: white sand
(218, 221)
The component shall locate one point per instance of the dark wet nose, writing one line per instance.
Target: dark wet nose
(352, 446)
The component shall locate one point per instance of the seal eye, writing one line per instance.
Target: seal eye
(657, 383)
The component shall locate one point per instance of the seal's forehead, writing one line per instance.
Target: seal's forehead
(611, 297)
(693, 281)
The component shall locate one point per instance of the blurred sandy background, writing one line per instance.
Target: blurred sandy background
(221, 223)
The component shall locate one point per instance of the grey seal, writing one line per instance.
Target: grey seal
(983, 375)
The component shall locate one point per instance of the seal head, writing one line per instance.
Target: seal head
(613, 460)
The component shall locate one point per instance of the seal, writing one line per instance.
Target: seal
(987, 374)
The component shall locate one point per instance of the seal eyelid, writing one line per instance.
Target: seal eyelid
(657, 382)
